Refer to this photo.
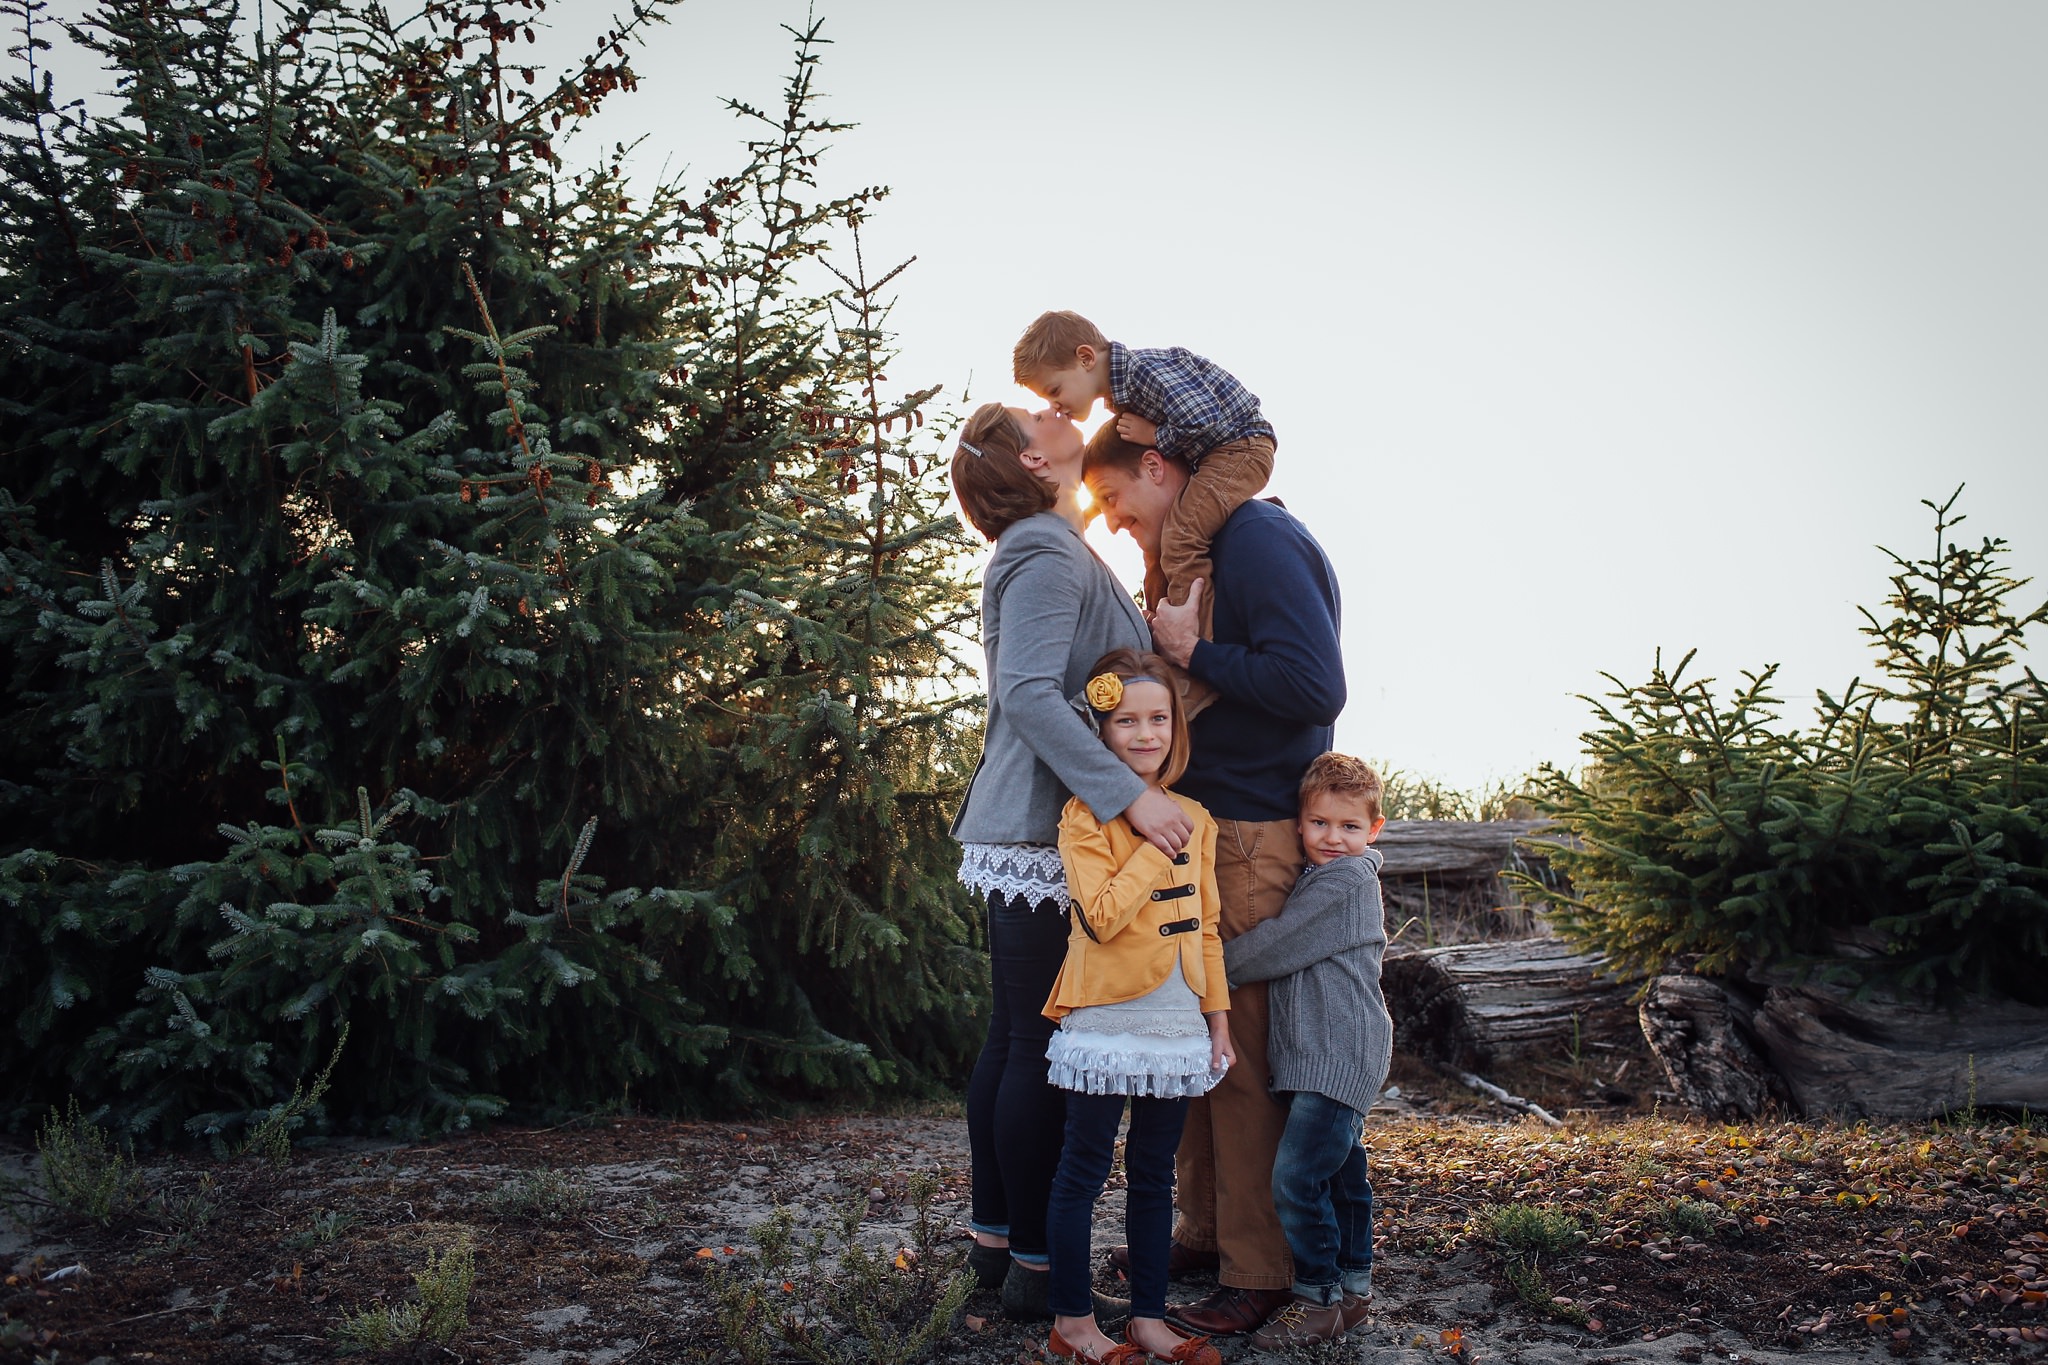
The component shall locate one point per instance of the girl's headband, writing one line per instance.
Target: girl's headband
(1105, 691)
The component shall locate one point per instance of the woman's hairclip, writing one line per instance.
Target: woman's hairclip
(971, 450)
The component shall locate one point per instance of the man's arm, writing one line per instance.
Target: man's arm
(1291, 664)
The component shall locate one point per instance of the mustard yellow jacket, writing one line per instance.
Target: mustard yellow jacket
(1116, 949)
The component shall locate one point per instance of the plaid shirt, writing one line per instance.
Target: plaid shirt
(1196, 404)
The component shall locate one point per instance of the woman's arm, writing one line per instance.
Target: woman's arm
(1107, 894)
(1039, 592)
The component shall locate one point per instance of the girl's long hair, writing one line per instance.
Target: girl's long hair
(1137, 663)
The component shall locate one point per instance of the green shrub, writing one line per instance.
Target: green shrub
(1901, 839)
(1689, 1217)
(538, 1196)
(438, 1315)
(1526, 1231)
(84, 1173)
(833, 1299)
(1524, 1234)
(271, 1139)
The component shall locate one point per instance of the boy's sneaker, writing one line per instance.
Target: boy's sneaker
(1300, 1322)
(1355, 1308)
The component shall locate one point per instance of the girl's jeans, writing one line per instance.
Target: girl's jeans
(1014, 1116)
(1148, 1202)
(1323, 1198)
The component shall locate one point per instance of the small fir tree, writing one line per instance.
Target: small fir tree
(407, 538)
(1902, 840)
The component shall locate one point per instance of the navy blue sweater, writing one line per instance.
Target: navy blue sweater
(1275, 664)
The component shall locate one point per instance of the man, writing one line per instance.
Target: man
(1275, 664)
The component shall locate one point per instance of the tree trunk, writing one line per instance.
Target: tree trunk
(1470, 1004)
(1825, 1052)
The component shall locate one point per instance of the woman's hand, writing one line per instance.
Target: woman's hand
(1160, 821)
(1222, 1052)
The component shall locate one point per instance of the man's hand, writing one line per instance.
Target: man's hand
(1175, 629)
(1137, 430)
(1160, 821)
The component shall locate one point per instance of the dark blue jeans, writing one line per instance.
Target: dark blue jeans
(1322, 1196)
(1014, 1116)
(1148, 1202)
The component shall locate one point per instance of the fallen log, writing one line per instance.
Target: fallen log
(1468, 848)
(1468, 1005)
(1725, 1046)
(1699, 1031)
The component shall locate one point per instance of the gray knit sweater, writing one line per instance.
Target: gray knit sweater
(1330, 1031)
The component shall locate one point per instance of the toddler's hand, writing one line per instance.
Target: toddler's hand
(1137, 430)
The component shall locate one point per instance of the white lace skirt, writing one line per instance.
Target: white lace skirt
(1156, 1045)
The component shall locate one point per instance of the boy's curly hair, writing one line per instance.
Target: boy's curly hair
(1049, 344)
(1343, 775)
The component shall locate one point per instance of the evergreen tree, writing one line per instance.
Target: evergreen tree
(407, 537)
(1903, 839)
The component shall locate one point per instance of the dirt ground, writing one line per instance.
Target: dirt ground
(603, 1241)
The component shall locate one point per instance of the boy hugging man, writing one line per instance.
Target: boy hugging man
(1172, 401)
(1329, 1046)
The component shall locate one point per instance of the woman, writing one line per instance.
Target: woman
(1049, 609)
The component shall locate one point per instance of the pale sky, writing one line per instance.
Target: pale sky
(1587, 328)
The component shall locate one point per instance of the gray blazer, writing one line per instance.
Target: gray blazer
(1049, 609)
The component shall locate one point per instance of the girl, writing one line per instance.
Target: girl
(1142, 1005)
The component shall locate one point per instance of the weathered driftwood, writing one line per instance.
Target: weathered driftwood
(1700, 1033)
(1727, 1045)
(1512, 1101)
(1468, 1005)
(1469, 848)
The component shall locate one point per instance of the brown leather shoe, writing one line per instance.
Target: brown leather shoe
(1300, 1322)
(1228, 1311)
(1356, 1308)
(1181, 1261)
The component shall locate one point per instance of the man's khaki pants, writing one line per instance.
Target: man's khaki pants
(1225, 1162)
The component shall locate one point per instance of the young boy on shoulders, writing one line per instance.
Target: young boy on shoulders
(1329, 1046)
(1170, 400)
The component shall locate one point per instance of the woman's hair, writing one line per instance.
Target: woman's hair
(1136, 663)
(995, 490)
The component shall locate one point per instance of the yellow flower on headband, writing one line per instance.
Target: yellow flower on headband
(1104, 691)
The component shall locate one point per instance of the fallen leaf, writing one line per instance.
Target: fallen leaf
(706, 1254)
(974, 1324)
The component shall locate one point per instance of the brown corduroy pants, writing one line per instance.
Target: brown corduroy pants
(1225, 1163)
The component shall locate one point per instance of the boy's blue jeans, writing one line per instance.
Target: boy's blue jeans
(1148, 1200)
(1323, 1197)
